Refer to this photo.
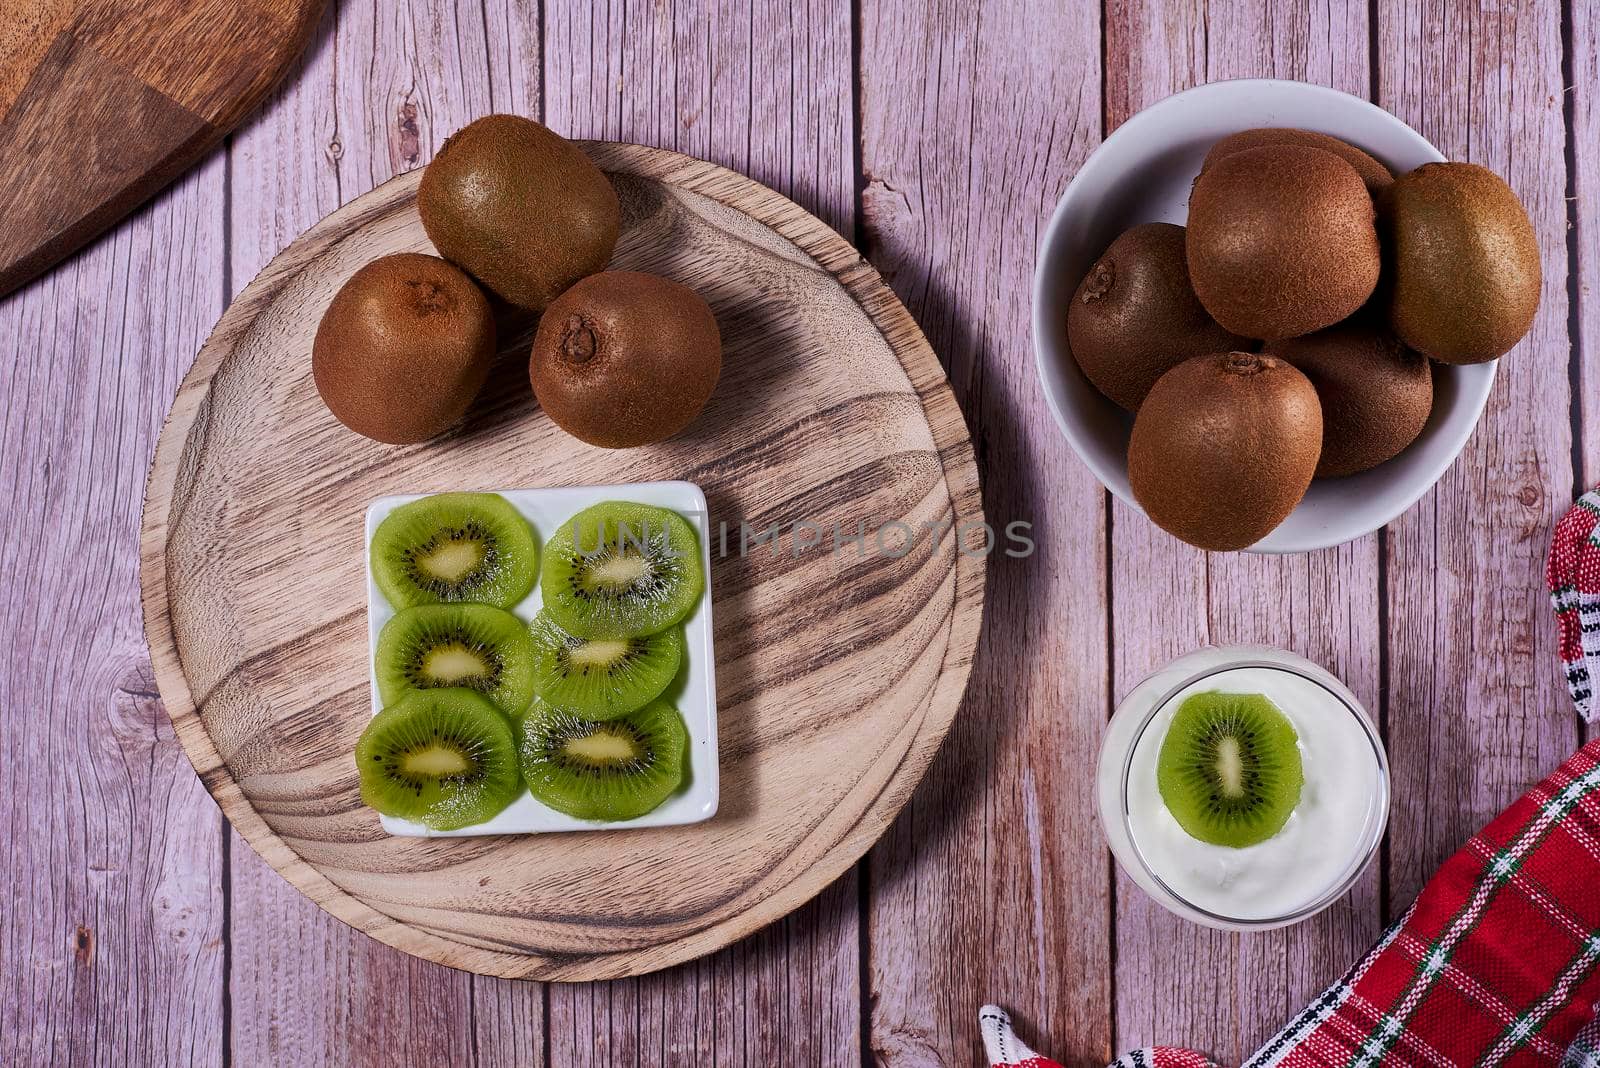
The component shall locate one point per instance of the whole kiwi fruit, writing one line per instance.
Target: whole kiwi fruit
(403, 348)
(1135, 316)
(1462, 260)
(1376, 393)
(1281, 240)
(1224, 447)
(625, 358)
(1374, 174)
(520, 208)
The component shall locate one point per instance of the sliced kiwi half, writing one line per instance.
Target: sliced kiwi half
(471, 646)
(453, 548)
(443, 758)
(602, 678)
(1229, 769)
(612, 769)
(619, 569)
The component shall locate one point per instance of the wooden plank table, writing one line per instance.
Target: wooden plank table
(937, 136)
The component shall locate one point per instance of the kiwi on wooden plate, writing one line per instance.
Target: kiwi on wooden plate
(443, 758)
(613, 769)
(620, 569)
(1374, 174)
(1376, 393)
(455, 547)
(602, 678)
(403, 348)
(1463, 262)
(625, 358)
(519, 207)
(469, 646)
(1281, 240)
(1224, 447)
(1135, 316)
(1229, 769)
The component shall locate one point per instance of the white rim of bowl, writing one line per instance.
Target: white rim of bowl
(1456, 440)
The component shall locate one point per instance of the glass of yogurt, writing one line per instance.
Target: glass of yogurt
(1329, 838)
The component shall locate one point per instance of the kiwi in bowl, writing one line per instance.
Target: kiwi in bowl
(1145, 172)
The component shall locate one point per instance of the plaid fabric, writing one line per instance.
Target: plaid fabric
(1006, 1050)
(1572, 572)
(1496, 963)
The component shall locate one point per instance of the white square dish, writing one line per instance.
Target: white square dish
(694, 692)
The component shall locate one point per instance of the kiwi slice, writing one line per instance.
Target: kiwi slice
(1229, 769)
(455, 547)
(473, 646)
(613, 769)
(618, 570)
(442, 758)
(602, 678)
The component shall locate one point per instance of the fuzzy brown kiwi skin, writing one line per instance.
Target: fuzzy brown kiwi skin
(1373, 174)
(1224, 447)
(403, 348)
(1462, 262)
(1376, 393)
(1281, 241)
(1135, 316)
(520, 208)
(625, 358)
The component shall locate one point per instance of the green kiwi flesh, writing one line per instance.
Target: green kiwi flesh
(468, 646)
(602, 678)
(1229, 770)
(1281, 240)
(1135, 316)
(455, 547)
(614, 769)
(1462, 262)
(1373, 174)
(1224, 447)
(1376, 393)
(620, 569)
(443, 758)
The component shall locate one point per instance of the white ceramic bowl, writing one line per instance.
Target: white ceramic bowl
(1142, 173)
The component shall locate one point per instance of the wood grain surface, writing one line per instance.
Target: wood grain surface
(840, 666)
(103, 102)
(865, 115)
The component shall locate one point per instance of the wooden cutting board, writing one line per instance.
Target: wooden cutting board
(839, 672)
(103, 102)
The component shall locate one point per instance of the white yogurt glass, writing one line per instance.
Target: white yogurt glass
(1327, 842)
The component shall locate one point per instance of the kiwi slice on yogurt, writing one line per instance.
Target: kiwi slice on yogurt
(1229, 770)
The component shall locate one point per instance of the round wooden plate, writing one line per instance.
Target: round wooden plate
(839, 665)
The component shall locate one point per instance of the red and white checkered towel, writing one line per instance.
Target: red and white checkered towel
(1494, 964)
(1573, 575)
